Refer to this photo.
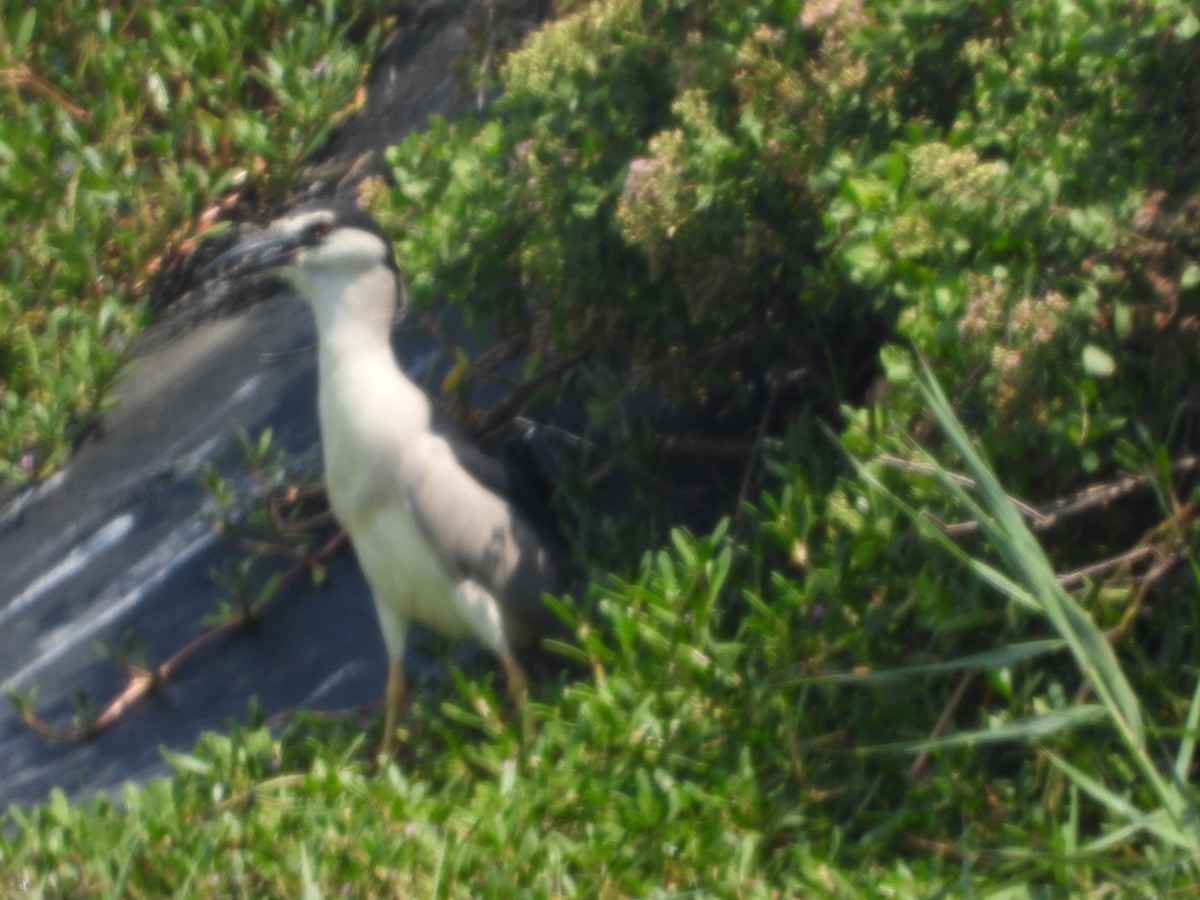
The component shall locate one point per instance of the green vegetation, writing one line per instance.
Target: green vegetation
(876, 682)
(117, 129)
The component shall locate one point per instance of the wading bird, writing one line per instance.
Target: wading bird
(430, 517)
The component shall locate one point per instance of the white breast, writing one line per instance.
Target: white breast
(404, 571)
(369, 413)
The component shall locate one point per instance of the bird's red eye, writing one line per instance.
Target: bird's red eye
(318, 230)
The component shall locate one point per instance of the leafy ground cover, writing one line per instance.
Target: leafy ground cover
(117, 130)
(946, 644)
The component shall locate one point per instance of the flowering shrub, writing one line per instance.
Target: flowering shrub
(695, 193)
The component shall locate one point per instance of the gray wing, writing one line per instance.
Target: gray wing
(487, 470)
(479, 534)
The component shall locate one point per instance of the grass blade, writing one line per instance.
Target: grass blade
(1158, 824)
(1013, 540)
(1187, 747)
(1033, 728)
(999, 658)
(1033, 573)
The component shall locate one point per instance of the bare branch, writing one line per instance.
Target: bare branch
(145, 681)
(1043, 518)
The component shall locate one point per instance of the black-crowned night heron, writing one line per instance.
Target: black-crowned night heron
(437, 537)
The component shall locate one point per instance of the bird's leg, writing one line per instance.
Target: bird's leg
(518, 687)
(518, 684)
(394, 699)
(395, 634)
(482, 612)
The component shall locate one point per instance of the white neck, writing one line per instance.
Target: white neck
(354, 310)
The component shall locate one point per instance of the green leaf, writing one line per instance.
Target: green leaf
(897, 364)
(863, 258)
(1188, 27)
(160, 99)
(24, 32)
(1190, 277)
(1097, 362)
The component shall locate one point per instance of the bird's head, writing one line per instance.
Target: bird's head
(315, 241)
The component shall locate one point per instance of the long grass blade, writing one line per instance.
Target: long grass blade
(1160, 825)
(1187, 747)
(999, 658)
(1012, 539)
(1033, 728)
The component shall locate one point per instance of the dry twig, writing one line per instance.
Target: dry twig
(917, 769)
(145, 681)
(1056, 512)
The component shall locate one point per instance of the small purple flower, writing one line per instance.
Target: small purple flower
(26, 462)
(641, 171)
